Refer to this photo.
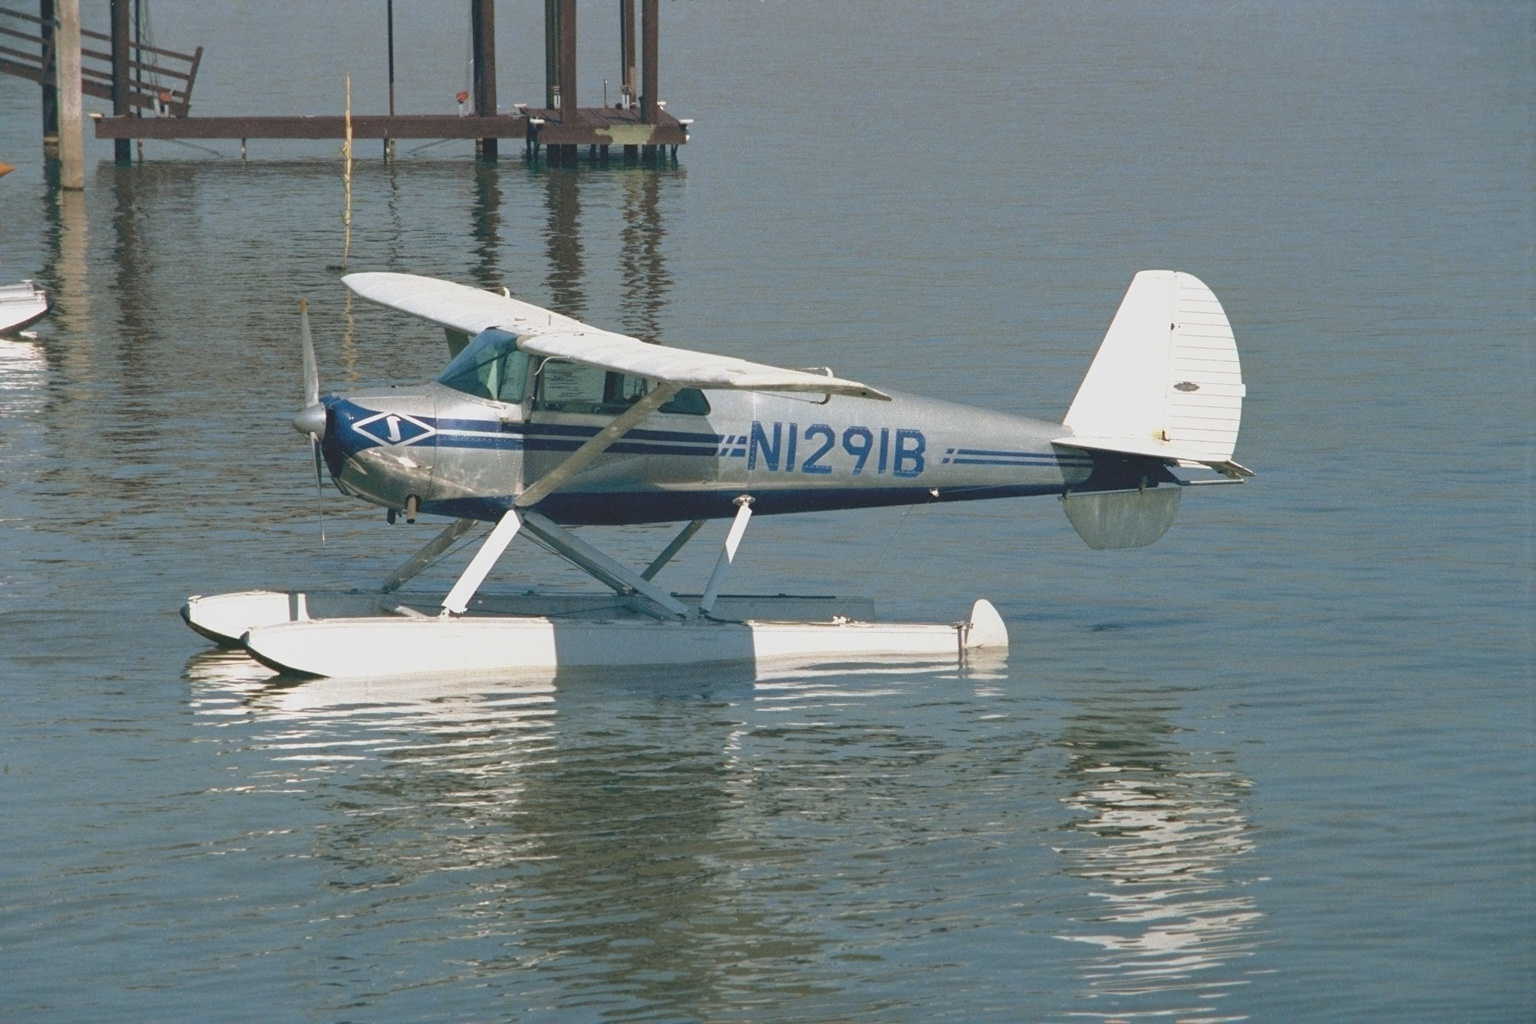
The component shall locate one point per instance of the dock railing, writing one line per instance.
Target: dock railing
(159, 80)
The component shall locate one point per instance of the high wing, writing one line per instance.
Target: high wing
(457, 307)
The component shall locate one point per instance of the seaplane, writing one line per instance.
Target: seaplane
(540, 424)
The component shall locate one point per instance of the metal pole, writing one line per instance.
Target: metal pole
(482, 24)
(71, 113)
(122, 149)
(138, 72)
(568, 61)
(50, 90)
(626, 53)
(650, 18)
(389, 14)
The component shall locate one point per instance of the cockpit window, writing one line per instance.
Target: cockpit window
(490, 367)
(571, 387)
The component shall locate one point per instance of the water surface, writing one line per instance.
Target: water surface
(1277, 766)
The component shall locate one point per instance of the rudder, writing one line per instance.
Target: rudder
(1166, 378)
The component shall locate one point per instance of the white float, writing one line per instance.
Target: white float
(396, 645)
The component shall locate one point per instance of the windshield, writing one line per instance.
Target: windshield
(489, 367)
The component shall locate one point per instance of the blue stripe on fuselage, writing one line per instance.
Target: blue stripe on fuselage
(619, 508)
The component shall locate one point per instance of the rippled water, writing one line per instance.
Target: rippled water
(1277, 766)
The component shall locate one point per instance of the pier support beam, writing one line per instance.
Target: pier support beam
(551, 52)
(628, 87)
(650, 24)
(71, 110)
(122, 149)
(50, 89)
(567, 60)
(482, 27)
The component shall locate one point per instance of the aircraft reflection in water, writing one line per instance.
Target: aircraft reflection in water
(1163, 833)
(529, 820)
(23, 371)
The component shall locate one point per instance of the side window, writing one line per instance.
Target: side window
(514, 378)
(687, 402)
(572, 387)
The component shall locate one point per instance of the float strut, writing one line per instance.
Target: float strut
(584, 555)
(727, 554)
(495, 543)
(601, 567)
(672, 549)
(427, 555)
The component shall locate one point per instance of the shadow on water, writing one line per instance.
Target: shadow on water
(1161, 839)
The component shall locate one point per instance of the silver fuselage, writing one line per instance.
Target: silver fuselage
(469, 457)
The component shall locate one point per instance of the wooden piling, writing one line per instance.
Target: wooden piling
(71, 110)
(49, 81)
(122, 149)
(627, 83)
(389, 15)
(650, 27)
(551, 54)
(568, 104)
(482, 23)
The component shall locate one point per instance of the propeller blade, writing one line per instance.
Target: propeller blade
(311, 372)
(312, 404)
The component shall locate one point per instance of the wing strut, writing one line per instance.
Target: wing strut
(594, 447)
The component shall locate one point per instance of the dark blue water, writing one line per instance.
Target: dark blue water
(1277, 766)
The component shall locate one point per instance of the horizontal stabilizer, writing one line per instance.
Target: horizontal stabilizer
(1157, 449)
(459, 308)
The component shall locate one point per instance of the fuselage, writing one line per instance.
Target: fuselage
(468, 449)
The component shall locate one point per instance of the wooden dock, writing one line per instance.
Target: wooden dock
(557, 130)
(598, 126)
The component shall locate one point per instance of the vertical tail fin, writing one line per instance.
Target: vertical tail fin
(1166, 380)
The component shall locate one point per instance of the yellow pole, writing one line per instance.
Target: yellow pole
(346, 177)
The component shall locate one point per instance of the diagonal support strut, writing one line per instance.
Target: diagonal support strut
(601, 567)
(430, 552)
(589, 558)
(727, 554)
(672, 549)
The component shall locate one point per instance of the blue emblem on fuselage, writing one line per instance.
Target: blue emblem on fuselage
(393, 428)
